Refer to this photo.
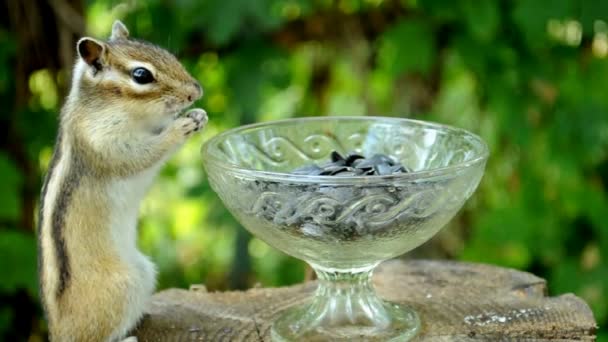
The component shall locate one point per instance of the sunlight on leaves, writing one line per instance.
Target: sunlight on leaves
(44, 89)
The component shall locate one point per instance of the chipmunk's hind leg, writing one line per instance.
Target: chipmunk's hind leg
(130, 339)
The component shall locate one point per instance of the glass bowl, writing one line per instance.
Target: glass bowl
(344, 226)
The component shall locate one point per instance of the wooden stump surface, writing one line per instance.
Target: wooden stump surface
(456, 302)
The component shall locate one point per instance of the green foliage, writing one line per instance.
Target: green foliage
(407, 47)
(5, 319)
(18, 262)
(527, 75)
(10, 199)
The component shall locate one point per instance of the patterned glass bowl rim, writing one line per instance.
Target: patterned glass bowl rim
(212, 154)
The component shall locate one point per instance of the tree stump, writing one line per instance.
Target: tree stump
(456, 302)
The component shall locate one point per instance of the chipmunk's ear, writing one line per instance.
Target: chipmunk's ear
(119, 31)
(91, 51)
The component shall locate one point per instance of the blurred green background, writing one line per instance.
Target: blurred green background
(530, 77)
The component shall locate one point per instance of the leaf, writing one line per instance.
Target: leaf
(224, 19)
(503, 236)
(253, 67)
(409, 46)
(591, 11)
(18, 262)
(532, 16)
(442, 10)
(581, 131)
(10, 205)
(482, 18)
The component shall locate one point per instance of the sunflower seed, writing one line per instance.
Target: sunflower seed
(354, 165)
(351, 158)
(336, 157)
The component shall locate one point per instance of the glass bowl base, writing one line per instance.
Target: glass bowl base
(386, 322)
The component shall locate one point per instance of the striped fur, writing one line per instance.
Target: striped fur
(52, 164)
(67, 186)
(114, 136)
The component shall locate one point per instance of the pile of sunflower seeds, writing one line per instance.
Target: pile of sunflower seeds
(314, 209)
(354, 165)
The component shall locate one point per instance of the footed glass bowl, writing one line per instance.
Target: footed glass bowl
(344, 226)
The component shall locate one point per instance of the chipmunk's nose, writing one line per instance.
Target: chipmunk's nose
(198, 92)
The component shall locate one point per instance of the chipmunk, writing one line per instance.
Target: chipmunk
(119, 124)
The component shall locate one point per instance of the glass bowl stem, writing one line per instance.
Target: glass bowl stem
(346, 305)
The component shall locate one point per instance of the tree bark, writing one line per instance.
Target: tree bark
(456, 302)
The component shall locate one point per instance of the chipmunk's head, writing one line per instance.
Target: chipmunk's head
(130, 76)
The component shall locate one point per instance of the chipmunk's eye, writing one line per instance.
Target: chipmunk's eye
(142, 75)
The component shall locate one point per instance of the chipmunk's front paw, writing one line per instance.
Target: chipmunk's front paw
(193, 121)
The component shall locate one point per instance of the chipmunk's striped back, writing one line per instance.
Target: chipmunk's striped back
(43, 226)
